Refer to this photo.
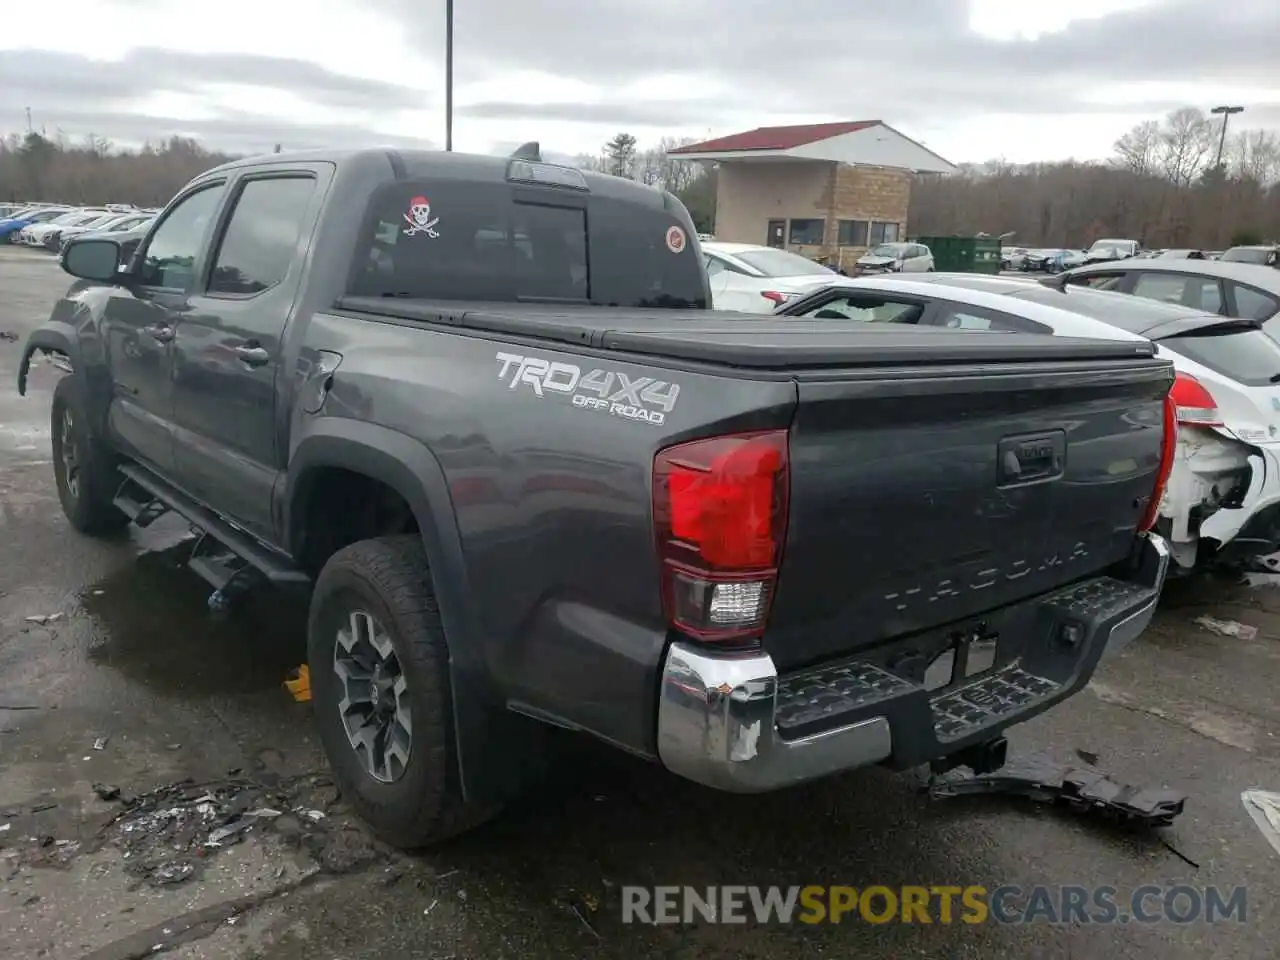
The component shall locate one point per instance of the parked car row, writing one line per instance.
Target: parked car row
(50, 226)
(1219, 324)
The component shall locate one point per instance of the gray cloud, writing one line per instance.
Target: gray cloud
(233, 133)
(50, 82)
(745, 63)
(904, 64)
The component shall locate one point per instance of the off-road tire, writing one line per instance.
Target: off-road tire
(389, 578)
(88, 507)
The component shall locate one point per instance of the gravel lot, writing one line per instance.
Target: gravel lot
(134, 687)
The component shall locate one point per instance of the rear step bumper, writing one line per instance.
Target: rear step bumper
(731, 722)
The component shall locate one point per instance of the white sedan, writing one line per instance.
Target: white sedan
(756, 279)
(33, 236)
(1223, 497)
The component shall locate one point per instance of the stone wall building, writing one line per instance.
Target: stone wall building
(827, 189)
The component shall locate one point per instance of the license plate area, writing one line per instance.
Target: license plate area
(970, 651)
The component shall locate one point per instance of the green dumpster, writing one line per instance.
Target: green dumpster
(963, 254)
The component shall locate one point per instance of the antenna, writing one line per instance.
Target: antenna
(528, 151)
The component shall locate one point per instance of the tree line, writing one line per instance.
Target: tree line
(1164, 185)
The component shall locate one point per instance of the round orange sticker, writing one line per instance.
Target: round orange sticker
(675, 239)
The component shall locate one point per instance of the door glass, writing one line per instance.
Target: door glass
(1160, 286)
(170, 259)
(1255, 304)
(867, 309)
(1098, 281)
(714, 266)
(261, 238)
(1203, 293)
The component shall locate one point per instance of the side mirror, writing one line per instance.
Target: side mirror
(95, 259)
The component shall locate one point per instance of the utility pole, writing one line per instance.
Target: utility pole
(1221, 141)
(30, 129)
(448, 75)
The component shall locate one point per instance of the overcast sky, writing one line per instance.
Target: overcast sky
(973, 80)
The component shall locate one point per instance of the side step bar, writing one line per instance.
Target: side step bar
(218, 566)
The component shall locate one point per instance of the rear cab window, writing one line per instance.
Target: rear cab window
(1236, 350)
(497, 241)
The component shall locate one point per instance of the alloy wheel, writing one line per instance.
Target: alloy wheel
(374, 706)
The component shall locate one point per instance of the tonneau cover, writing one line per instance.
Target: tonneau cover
(750, 340)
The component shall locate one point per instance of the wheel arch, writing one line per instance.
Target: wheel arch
(410, 469)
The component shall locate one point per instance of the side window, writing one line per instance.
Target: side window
(1253, 303)
(714, 266)
(976, 318)
(1098, 281)
(868, 309)
(1166, 287)
(170, 258)
(261, 238)
(1204, 293)
(807, 231)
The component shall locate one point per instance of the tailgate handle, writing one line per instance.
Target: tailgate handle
(1029, 458)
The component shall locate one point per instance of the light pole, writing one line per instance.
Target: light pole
(448, 75)
(1221, 141)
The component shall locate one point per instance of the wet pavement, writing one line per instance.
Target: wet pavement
(161, 794)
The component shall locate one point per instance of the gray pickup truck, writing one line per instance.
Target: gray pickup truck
(478, 409)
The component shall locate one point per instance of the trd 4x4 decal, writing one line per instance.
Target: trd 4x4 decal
(611, 391)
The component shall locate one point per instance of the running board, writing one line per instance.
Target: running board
(273, 566)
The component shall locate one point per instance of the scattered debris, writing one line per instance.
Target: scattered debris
(8, 336)
(1084, 790)
(4, 827)
(43, 618)
(41, 807)
(1228, 628)
(1264, 808)
(101, 743)
(167, 835)
(18, 706)
(298, 683)
(1090, 758)
(432, 906)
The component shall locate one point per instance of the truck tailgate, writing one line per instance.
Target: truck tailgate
(922, 497)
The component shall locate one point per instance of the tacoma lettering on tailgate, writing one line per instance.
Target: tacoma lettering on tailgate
(610, 391)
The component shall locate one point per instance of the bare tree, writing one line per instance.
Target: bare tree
(1137, 151)
(1186, 141)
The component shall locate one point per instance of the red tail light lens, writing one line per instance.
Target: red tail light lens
(1168, 445)
(774, 297)
(720, 512)
(1195, 403)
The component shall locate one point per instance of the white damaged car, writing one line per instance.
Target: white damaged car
(1223, 498)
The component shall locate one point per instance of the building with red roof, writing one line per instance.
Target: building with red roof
(821, 189)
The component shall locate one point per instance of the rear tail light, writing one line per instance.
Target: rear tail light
(720, 513)
(774, 297)
(1168, 444)
(1195, 403)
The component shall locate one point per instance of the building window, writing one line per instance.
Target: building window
(808, 232)
(853, 233)
(883, 233)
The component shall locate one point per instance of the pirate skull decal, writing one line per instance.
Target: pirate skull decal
(418, 219)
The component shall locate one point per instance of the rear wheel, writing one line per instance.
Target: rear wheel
(83, 468)
(380, 688)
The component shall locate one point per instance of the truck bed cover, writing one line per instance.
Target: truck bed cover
(749, 340)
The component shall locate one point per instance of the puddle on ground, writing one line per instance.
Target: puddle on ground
(151, 621)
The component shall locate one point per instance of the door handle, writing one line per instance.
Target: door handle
(253, 356)
(161, 333)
